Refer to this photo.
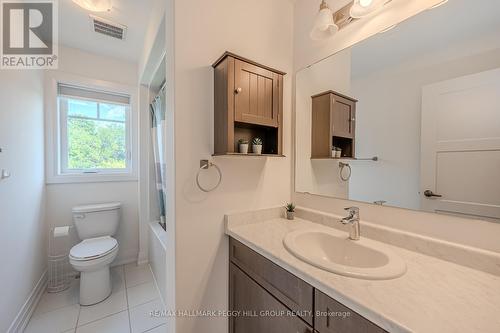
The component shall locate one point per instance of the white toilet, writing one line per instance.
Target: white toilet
(95, 224)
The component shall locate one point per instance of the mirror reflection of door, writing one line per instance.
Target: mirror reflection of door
(460, 146)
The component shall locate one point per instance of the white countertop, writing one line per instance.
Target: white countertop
(433, 296)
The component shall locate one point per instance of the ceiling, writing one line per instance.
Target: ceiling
(75, 29)
(435, 30)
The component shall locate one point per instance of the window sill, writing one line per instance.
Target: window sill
(90, 178)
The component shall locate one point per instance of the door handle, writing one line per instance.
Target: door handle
(430, 194)
(238, 90)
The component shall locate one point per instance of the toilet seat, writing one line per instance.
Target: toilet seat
(93, 248)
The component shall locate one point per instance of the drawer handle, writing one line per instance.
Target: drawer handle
(238, 90)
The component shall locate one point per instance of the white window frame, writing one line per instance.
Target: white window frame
(56, 126)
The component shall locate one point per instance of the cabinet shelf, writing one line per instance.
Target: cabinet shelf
(248, 155)
(374, 159)
(333, 158)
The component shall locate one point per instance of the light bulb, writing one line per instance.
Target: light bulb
(324, 25)
(365, 3)
(362, 8)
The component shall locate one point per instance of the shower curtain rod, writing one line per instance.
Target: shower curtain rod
(163, 85)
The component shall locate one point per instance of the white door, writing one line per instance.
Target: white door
(460, 146)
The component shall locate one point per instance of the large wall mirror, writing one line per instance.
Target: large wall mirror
(409, 117)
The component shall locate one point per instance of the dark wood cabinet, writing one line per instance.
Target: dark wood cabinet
(296, 294)
(333, 124)
(333, 317)
(269, 299)
(248, 103)
(258, 310)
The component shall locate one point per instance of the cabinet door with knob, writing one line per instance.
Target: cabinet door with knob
(256, 94)
(343, 116)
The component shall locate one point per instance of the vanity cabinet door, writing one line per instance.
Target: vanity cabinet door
(330, 319)
(294, 293)
(257, 308)
(343, 117)
(256, 92)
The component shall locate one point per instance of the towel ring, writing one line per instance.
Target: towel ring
(343, 165)
(204, 165)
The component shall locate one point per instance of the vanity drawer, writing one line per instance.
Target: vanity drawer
(354, 323)
(296, 294)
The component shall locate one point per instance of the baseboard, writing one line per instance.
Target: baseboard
(24, 315)
(143, 258)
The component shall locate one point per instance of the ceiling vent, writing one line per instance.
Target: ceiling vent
(108, 28)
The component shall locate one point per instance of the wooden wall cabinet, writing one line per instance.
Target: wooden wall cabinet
(248, 103)
(257, 285)
(333, 125)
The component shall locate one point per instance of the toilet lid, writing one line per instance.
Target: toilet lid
(93, 248)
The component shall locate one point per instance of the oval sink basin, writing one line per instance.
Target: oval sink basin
(333, 251)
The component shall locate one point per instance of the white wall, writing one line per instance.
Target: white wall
(261, 30)
(320, 176)
(62, 197)
(465, 231)
(22, 228)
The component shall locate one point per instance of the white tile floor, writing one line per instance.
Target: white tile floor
(127, 310)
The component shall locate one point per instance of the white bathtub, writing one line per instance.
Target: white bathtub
(157, 255)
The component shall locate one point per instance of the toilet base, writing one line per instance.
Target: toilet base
(95, 286)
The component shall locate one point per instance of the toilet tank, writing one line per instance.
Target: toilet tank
(96, 220)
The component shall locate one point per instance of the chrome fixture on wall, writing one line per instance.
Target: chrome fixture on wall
(343, 166)
(205, 165)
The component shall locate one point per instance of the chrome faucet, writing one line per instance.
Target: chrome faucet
(353, 221)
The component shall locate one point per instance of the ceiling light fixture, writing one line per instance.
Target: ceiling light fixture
(362, 8)
(324, 25)
(95, 5)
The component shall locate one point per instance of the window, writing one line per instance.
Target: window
(94, 131)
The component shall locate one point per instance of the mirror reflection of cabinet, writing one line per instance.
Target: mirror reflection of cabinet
(333, 124)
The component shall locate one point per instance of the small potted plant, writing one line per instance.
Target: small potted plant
(290, 211)
(243, 146)
(257, 146)
(338, 152)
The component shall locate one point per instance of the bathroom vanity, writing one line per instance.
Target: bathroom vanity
(277, 301)
(272, 290)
